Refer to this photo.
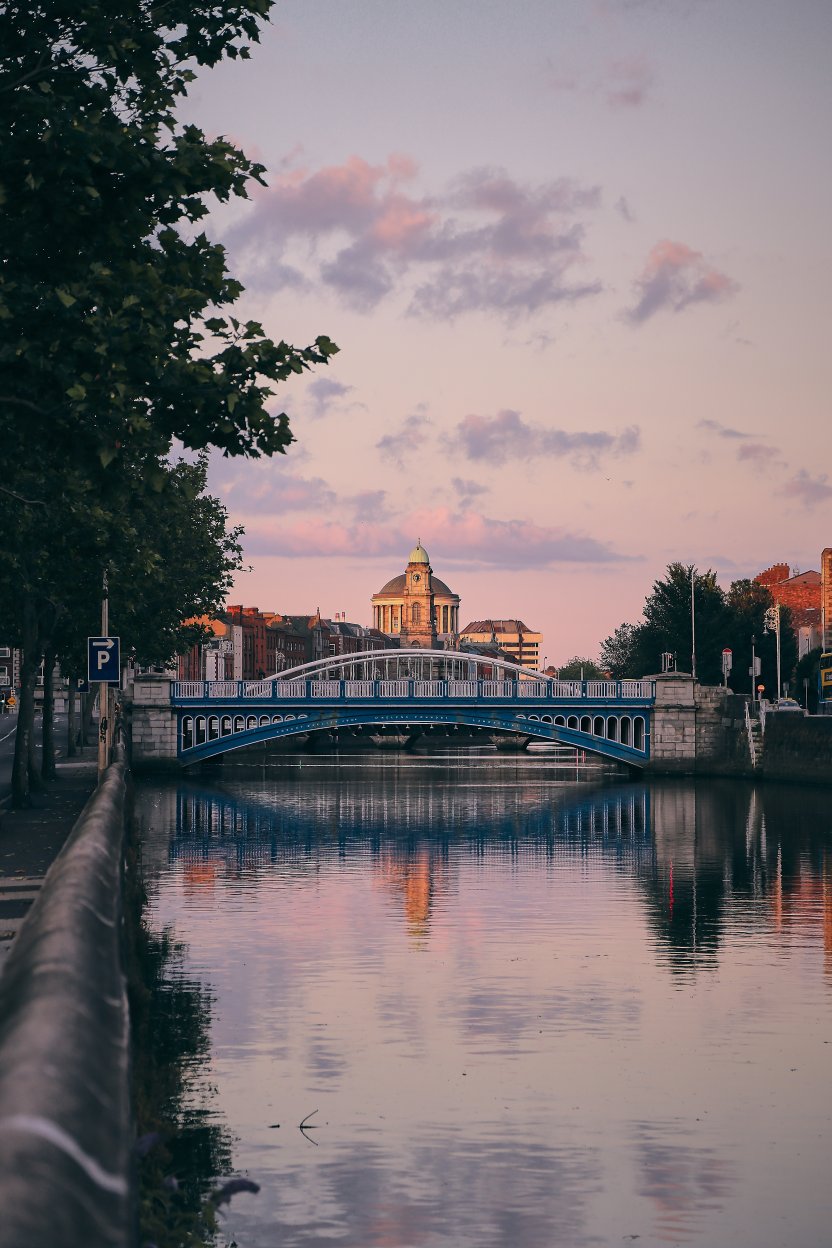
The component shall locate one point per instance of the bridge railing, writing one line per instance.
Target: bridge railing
(186, 691)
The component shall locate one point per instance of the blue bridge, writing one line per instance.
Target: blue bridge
(409, 691)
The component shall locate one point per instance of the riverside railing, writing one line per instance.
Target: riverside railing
(276, 690)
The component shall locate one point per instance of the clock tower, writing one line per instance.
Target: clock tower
(418, 611)
(416, 608)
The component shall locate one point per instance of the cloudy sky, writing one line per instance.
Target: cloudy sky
(576, 256)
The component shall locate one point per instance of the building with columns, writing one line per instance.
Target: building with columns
(416, 607)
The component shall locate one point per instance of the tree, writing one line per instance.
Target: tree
(748, 603)
(117, 335)
(636, 649)
(622, 654)
(668, 622)
(806, 678)
(581, 669)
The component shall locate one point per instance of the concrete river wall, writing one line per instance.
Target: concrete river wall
(65, 1122)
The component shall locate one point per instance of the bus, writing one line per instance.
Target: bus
(825, 679)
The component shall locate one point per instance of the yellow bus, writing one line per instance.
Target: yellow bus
(825, 677)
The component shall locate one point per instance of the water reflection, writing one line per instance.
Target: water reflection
(529, 1011)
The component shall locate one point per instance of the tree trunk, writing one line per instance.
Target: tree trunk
(47, 761)
(86, 719)
(70, 717)
(24, 736)
(35, 781)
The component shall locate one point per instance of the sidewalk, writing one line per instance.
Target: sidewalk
(30, 840)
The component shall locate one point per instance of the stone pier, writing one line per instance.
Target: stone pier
(152, 724)
(697, 728)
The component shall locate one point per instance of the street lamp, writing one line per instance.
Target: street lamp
(692, 623)
(773, 624)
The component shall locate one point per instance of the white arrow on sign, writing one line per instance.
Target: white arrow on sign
(104, 646)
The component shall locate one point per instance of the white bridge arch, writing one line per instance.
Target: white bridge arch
(413, 689)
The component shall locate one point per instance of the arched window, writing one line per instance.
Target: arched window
(416, 613)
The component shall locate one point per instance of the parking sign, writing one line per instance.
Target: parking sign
(104, 660)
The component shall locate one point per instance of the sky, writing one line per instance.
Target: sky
(576, 257)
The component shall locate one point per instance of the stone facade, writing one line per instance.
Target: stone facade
(697, 728)
(152, 722)
(416, 607)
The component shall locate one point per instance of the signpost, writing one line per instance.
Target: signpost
(104, 660)
(104, 669)
(727, 664)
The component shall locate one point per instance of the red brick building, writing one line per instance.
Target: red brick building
(801, 593)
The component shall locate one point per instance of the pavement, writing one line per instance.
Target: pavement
(30, 840)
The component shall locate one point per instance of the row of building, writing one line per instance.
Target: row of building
(413, 609)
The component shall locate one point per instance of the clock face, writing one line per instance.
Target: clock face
(417, 576)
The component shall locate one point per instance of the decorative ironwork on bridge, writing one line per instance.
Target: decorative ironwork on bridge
(413, 689)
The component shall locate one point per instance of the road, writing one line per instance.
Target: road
(8, 727)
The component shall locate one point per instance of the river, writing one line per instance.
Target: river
(515, 1001)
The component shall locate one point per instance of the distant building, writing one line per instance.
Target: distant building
(512, 636)
(826, 597)
(245, 643)
(416, 607)
(801, 592)
(9, 669)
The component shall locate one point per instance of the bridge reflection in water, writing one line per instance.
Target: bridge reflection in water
(690, 846)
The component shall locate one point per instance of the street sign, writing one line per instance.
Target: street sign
(727, 661)
(104, 660)
(82, 686)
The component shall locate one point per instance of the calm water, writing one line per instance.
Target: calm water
(531, 1006)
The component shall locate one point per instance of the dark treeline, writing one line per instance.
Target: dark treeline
(117, 342)
(723, 620)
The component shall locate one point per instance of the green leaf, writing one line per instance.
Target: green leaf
(77, 392)
(65, 297)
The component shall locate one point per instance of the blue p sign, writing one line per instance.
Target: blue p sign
(104, 660)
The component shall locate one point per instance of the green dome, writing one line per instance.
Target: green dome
(418, 554)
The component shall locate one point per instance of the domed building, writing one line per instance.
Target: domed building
(416, 606)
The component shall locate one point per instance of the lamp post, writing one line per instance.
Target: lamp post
(692, 622)
(753, 666)
(773, 623)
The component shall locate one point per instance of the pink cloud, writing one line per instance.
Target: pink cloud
(758, 453)
(674, 277)
(504, 436)
(809, 490)
(455, 536)
(487, 243)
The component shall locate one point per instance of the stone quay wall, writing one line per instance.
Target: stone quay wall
(797, 748)
(65, 1123)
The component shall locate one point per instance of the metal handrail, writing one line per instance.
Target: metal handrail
(544, 689)
(752, 749)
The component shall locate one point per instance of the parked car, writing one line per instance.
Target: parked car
(788, 704)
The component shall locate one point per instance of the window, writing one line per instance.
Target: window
(5, 652)
(416, 613)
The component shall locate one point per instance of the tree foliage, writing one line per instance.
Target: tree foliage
(722, 621)
(117, 333)
(581, 669)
